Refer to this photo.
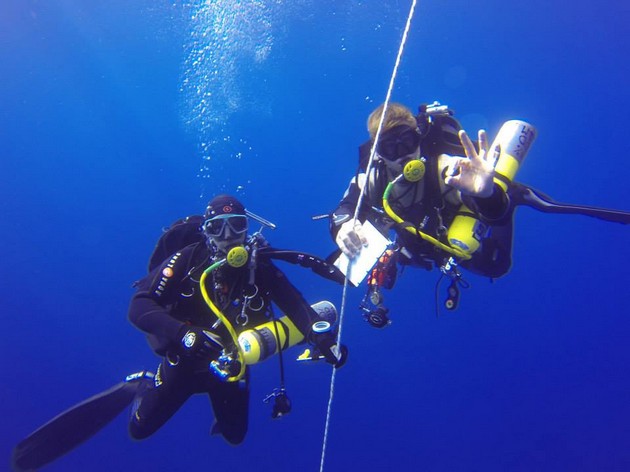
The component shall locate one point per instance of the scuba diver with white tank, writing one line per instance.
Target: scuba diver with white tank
(447, 211)
(207, 308)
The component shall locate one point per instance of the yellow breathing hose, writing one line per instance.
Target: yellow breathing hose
(413, 230)
(222, 317)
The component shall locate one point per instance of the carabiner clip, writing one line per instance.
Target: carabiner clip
(281, 402)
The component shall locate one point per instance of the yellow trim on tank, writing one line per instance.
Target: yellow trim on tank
(413, 230)
(250, 345)
(507, 166)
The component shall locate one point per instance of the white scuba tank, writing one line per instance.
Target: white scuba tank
(512, 143)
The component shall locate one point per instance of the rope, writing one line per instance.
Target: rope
(387, 99)
(356, 214)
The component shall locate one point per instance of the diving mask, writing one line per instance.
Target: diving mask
(215, 227)
(398, 142)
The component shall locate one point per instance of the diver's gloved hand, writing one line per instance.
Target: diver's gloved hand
(335, 354)
(200, 342)
(473, 174)
(350, 238)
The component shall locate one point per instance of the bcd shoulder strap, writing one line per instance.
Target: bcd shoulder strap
(442, 137)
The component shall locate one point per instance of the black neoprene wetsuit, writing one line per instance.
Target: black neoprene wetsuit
(169, 299)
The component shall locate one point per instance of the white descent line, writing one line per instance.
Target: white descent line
(356, 212)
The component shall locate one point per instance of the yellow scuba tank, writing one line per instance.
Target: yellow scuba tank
(261, 342)
(512, 143)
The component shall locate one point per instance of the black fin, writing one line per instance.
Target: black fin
(215, 429)
(74, 426)
(521, 194)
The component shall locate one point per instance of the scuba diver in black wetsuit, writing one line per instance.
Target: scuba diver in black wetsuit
(447, 211)
(171, 306)
(207, 310)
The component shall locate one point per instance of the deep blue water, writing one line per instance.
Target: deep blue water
(104, 139)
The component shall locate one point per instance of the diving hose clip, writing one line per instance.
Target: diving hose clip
(373, 310)
(281, 402)
(450, 269)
